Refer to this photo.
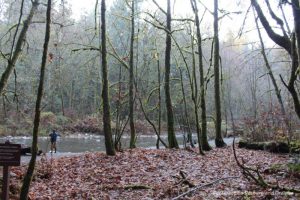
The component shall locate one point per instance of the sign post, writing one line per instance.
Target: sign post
(10, 155)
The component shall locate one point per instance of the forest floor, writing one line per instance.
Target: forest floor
(155, 174)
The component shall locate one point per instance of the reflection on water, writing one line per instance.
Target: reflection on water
(84, 143)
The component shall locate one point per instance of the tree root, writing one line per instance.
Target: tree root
(254, 175)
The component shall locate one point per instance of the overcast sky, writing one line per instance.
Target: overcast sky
(231, 23)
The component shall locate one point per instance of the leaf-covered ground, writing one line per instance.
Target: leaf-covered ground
(97, 176)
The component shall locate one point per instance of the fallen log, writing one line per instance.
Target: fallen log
(274, 147)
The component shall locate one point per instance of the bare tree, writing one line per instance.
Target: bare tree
(219, 140)
(292, 46)
(34, 147)
(204, 141)
(105, 91)
(170, 115)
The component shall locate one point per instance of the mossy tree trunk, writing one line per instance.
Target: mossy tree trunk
(105, 91)
(204, 141)
(170, 115)
(131, 81)
(34, 148)
(218, 116)
(194, 89)
(13, 58)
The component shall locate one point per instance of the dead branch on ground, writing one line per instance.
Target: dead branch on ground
(255, 175)
(202, 186)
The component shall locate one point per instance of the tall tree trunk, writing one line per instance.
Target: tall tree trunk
(34, 147)
(105, 90)
(131, 81)
(204, 140)
(159, 99)
(18, 49)
(194, 88)
(219, 140)
(170, 116)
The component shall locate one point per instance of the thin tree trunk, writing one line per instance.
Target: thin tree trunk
(131, 81)
(204, 140)
(194, 98)
(219, 139)
(159, 101)
(34, 147)
(117, 143)
(170, 115)
(270, 72)
(105, 90)
(190, 137)
(18, 49)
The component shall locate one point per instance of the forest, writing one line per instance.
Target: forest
(151, 99)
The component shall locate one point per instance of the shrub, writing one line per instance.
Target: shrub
(269, 125)
(47, 119)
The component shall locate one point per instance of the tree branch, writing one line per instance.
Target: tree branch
(159, 7)
(282, 41)
(205, 185)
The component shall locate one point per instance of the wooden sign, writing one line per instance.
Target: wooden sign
(10, 155)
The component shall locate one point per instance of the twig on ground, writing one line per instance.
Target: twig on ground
(202, 186)
(183, 179)
(137, 187)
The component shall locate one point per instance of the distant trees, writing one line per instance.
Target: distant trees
(179, 93)
(290, 44)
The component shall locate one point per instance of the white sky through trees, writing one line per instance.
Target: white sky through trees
(182, 8)
(230, 24)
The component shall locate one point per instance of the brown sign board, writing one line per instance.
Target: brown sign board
(10, 154)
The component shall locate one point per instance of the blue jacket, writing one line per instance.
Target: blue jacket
(53, 136)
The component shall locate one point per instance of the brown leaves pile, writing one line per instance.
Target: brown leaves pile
(97, 176)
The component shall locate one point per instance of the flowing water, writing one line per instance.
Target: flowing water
(89, 143)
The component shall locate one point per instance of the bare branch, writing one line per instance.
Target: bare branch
(159, 7)
(205, 185)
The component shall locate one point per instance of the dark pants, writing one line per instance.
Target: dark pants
(53, 146)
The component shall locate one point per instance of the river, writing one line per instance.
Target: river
(88, 143)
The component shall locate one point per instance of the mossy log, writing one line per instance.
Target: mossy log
(274, 147)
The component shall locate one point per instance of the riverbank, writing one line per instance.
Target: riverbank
(156, 174)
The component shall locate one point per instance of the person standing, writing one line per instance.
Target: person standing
(53, 139)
